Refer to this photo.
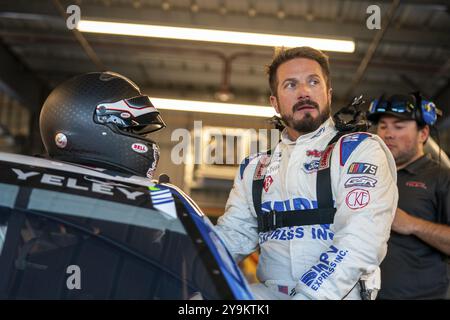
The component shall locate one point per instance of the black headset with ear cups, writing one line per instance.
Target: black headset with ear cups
(412, 106)
(417, 111)
(425, 112)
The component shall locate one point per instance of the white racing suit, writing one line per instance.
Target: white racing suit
(315, 261)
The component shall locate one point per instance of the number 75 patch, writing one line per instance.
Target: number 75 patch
(362, 168)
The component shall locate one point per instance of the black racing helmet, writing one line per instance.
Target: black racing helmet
(101, 119)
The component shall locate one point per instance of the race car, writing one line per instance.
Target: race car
(74, 232)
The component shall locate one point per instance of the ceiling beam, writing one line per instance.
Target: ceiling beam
(87, 48)
(372, 48)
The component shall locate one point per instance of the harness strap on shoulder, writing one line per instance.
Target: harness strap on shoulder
(324, 214)
(323, 184)
(257, 188)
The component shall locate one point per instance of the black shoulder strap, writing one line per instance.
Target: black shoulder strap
(324, 214)
(323, 185)
(257, 186)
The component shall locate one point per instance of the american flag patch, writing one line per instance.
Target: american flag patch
(283, 289)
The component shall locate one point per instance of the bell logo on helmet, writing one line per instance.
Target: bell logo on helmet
(61, 140)
(139, 147)
(125, 115)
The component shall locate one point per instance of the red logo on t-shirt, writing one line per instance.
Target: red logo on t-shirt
(416, 184)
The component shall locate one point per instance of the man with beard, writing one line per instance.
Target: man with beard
(416, 262)
(320, 205)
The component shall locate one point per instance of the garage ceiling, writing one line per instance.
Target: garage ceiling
(414, 52)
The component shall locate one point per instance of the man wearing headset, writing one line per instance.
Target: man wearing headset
(416, 263)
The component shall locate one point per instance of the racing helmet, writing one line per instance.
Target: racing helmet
(101, 119)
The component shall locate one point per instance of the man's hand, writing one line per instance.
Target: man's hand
(404, 223)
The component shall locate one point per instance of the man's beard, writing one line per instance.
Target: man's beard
(307, 124)
(406, 156)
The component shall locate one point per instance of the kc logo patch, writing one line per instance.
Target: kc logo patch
(357, 199)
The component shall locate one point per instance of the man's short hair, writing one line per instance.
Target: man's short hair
(284, 55)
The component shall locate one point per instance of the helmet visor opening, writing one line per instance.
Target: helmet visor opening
(152, 123)
(136, 115)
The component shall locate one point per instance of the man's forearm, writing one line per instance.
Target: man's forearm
(436, 235)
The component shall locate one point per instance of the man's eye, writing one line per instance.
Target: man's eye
(290, 85)
(314, 82)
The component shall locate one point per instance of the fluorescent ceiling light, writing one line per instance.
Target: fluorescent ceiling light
(213, 107)
(257, 39)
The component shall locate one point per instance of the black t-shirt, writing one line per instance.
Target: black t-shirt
(413, 269)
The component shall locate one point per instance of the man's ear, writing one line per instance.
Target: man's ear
(330, 94)
(274, 103)
(424, 133)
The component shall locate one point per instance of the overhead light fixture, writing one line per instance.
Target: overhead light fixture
(213, 107)
(195, 34)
